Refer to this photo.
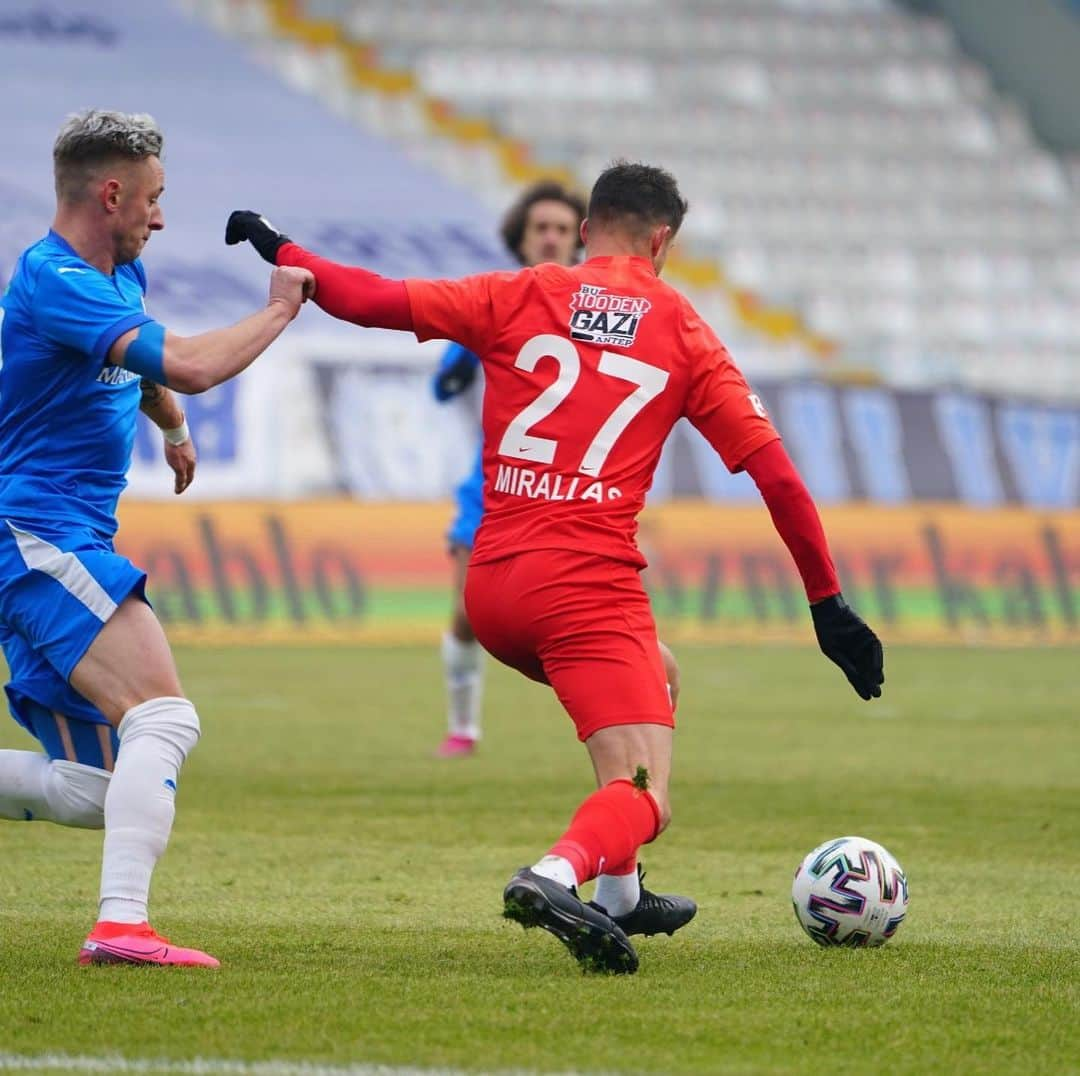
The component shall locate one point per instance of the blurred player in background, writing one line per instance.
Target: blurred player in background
(543, 225)
(587, 369)
(92, 676)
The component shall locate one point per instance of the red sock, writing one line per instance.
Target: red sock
(620, 869)
(609, 827)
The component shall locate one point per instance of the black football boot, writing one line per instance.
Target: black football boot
(593, 938)
(656, 913)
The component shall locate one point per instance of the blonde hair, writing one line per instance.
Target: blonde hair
(88, 140)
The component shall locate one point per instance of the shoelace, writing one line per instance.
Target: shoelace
(149, 932)
(653, 900)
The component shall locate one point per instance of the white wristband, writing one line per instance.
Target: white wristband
(178, 435)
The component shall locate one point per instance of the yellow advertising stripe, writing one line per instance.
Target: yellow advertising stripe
(402, 543)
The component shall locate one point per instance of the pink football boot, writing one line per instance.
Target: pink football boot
(138, 943)
(455, 746)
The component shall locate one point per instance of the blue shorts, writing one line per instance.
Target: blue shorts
(57, 590)
(90, 740)
(470, 507)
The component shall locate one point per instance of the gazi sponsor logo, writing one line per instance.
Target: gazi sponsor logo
(599, 317)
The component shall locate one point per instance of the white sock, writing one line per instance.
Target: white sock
(618, 894)
(34, 788)
(22, 786)
(463, 664)
(155, 738)
(557, 869)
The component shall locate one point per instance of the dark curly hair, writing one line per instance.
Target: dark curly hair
(639, 194)
(517, 216)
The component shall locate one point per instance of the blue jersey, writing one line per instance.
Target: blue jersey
(462, 365)
(67, 418)
(456, 371)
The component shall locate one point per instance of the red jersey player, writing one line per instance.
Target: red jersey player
(543, 225)
(587, 370)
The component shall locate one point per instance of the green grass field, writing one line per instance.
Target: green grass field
(350, 883)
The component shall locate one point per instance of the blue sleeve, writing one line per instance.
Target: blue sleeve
(81, 309)
(454, 355)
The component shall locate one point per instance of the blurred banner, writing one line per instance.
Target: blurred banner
(314, 419)
(338, 569)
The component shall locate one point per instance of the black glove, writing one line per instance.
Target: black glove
(845, 638)
(456, 378)
(257, 230)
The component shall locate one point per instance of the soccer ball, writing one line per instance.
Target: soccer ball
(850, 891)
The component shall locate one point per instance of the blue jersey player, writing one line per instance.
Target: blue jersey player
(92, 675)
(457, 370)
(543, 225)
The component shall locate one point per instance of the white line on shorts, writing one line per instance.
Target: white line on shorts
(219, 1066)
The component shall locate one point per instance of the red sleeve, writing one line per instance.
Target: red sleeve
(720, 403)
(795, 517)
(459, 310)
(351, 293)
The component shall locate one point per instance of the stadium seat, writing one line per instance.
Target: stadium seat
(839, 154)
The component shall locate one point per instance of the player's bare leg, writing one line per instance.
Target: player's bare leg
(463, 664)
(618, 888)
(638, 756)
(632, 764)
(129, 674)
(629, 809)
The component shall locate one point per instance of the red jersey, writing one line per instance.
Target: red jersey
(587, 369)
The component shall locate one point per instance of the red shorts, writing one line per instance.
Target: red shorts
(579, 622)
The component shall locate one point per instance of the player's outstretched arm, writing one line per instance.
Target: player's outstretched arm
(345, 292)
(842, 635)
(193, 364)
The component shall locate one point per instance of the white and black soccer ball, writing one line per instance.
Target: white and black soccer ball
(850, 891)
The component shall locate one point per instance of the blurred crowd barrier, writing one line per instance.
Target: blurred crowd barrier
(308, 422)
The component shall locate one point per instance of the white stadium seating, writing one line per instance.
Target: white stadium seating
(842, 158)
